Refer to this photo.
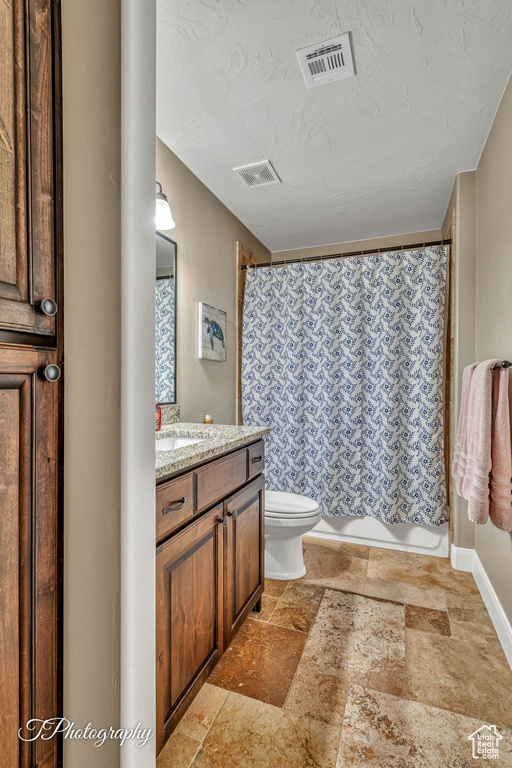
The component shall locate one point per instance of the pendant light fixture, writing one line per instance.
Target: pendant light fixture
(163, 215)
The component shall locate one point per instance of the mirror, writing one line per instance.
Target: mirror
(165, 387)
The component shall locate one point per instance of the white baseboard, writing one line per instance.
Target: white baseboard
(462, 559)
(468, 560)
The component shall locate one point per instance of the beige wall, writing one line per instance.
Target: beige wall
(460, 224)
(494, 304)
(360, 245)
(91, 102)
(206, 234)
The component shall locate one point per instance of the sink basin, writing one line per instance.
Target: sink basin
(171, 443)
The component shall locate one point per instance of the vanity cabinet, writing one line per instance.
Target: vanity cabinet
(245, 546)
(189, 611)
(210, 572)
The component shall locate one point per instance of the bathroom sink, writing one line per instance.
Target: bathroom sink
(171, 443)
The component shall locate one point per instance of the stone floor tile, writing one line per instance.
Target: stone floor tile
(384, 731)
(354, 550)
(199, 717)
(406, 593)
(359, 639)
(275, 587)
(251, 734)
(260, 662)
(427, 619)
(419, 570)
(317, 695)
(179, 752)
(470, 608)
(268, 605)
(472, 678)
(335, 570)
(298, 606)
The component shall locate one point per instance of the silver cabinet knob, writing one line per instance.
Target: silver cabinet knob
(48, 307)
(52, 372)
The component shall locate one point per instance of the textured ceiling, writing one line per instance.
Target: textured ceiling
(369, 156)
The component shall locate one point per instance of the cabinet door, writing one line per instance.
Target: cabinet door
(244, 553)
(189, 616)
(28, 163)
(29, 551)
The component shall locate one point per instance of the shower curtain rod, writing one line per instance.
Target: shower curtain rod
(307, 259)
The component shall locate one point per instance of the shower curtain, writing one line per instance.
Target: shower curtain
(343, 360)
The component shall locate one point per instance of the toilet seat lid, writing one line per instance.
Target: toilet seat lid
(281, 504)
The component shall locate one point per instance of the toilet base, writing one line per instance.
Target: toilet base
(284, 559)
(277, 576)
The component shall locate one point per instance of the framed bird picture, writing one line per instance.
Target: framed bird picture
(212, 326)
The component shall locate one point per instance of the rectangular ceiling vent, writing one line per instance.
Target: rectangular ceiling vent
(326, 62)
(258, 175)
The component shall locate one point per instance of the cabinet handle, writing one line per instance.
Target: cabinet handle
(256, 459)
(181, 503)
(48, 307)
(222, 521)
(52, 372)
(234, 514)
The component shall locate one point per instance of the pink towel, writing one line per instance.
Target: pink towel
(461, 447)
(500, 509)
(482, 457)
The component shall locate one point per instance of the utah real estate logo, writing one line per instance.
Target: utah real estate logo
(486, 743)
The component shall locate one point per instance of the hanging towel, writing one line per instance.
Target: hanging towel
(500, 509)
(483, 456)
(461, 447)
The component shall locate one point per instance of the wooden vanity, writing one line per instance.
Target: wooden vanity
(210, 571)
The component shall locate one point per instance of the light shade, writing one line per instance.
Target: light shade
(163, 215)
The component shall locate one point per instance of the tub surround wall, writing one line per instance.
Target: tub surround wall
(459, 224)
(207, 234)
(407, 537)
(479, 217)
(493, 314)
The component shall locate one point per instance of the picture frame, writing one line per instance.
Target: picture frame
(211, 333)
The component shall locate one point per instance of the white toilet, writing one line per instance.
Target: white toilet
(288, 516)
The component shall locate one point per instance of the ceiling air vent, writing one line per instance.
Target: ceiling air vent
(326, 62)
(258, 175)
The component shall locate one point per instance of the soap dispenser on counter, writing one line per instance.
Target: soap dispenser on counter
(158, 418)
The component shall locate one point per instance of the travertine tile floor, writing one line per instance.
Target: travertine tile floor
(375, 659)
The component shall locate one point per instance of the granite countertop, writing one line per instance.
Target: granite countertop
(217, 438)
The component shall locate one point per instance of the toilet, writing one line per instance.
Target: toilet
(288, 516)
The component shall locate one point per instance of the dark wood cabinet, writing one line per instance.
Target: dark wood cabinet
(244, 551)
(209, 574)
(29, 164)
(30, 404)
(189, 610)
(29, 553)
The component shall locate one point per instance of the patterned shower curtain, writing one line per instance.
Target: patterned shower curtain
(164, 342)
(343, 360)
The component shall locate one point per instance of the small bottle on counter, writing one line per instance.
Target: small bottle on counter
(208, 419)
(158, 418)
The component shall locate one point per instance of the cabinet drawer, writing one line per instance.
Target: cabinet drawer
(174, 504)
(217, 480)
(255, 459)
